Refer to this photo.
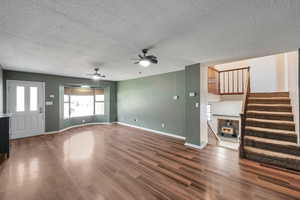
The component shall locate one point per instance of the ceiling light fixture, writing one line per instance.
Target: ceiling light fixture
(85, 86)
(96, 77)
(146, 60)
(144, 63)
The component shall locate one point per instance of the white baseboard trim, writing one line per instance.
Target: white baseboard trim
(153, 131)
(78, 125)
(195, 146)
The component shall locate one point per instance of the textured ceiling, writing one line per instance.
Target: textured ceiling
(70, 37)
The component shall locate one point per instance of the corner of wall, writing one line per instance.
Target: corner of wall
(203, 105)
(1, 89)
(193, 106)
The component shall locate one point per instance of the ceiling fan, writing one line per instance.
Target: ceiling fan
(97, 75)
(145, 60)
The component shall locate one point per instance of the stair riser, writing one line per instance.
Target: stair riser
(269, 101)
(273, 108)
(272, 147)
(283, 137)
(271, 125)
(274, 117)
(284, 163)
(275, 94)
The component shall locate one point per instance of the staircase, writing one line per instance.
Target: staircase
(269, 130)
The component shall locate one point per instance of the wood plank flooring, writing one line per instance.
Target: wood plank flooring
(114, 162)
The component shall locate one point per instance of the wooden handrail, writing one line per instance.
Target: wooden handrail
(235, 69)
(243, 113)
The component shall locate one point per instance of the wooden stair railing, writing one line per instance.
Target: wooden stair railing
(212, 133)
(243, 113)
(227, 82)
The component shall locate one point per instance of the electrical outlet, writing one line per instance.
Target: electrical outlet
(163, 125)
(83, 121)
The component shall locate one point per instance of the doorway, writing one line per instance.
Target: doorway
(26, 105)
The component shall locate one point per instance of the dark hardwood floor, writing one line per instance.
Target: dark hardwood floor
(115, 162)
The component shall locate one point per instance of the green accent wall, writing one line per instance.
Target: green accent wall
(148, 102)
(1, 90)
(54, 85)
(192, 124)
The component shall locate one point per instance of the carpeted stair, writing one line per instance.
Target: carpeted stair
(269, 135)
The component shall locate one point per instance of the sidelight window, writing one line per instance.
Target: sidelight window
(20, 104)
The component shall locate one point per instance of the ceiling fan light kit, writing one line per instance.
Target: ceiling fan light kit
(97, 75)
(145, 60)
(144, 63)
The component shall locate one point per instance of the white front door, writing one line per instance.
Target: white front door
(26, 104)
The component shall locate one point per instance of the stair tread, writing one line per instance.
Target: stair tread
(269, 98)
(270, 113)
(271, 121)
(269, 93)
(276, 131)
(271, 141)
(269, 105)
(271, 153)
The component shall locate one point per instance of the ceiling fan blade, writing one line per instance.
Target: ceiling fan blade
(136, 62)
(152, 57)
(154, 61)
(140, 56)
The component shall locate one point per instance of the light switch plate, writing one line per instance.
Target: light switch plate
(49, 103)
(51, 96)
(197, 105)
(175, 97)
(192, 94)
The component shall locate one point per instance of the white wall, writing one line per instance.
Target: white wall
(232, 65)
(263, 74)
(232, 108)
(213, 97)
(293, 87)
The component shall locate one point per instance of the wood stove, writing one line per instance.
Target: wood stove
(228, 128)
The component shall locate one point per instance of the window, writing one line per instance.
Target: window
(79, 102)
(20, 106)
(81, 106)
(208, 110)
(33, 98)
(99, 102)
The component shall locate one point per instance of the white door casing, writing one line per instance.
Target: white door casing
(26, 104)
